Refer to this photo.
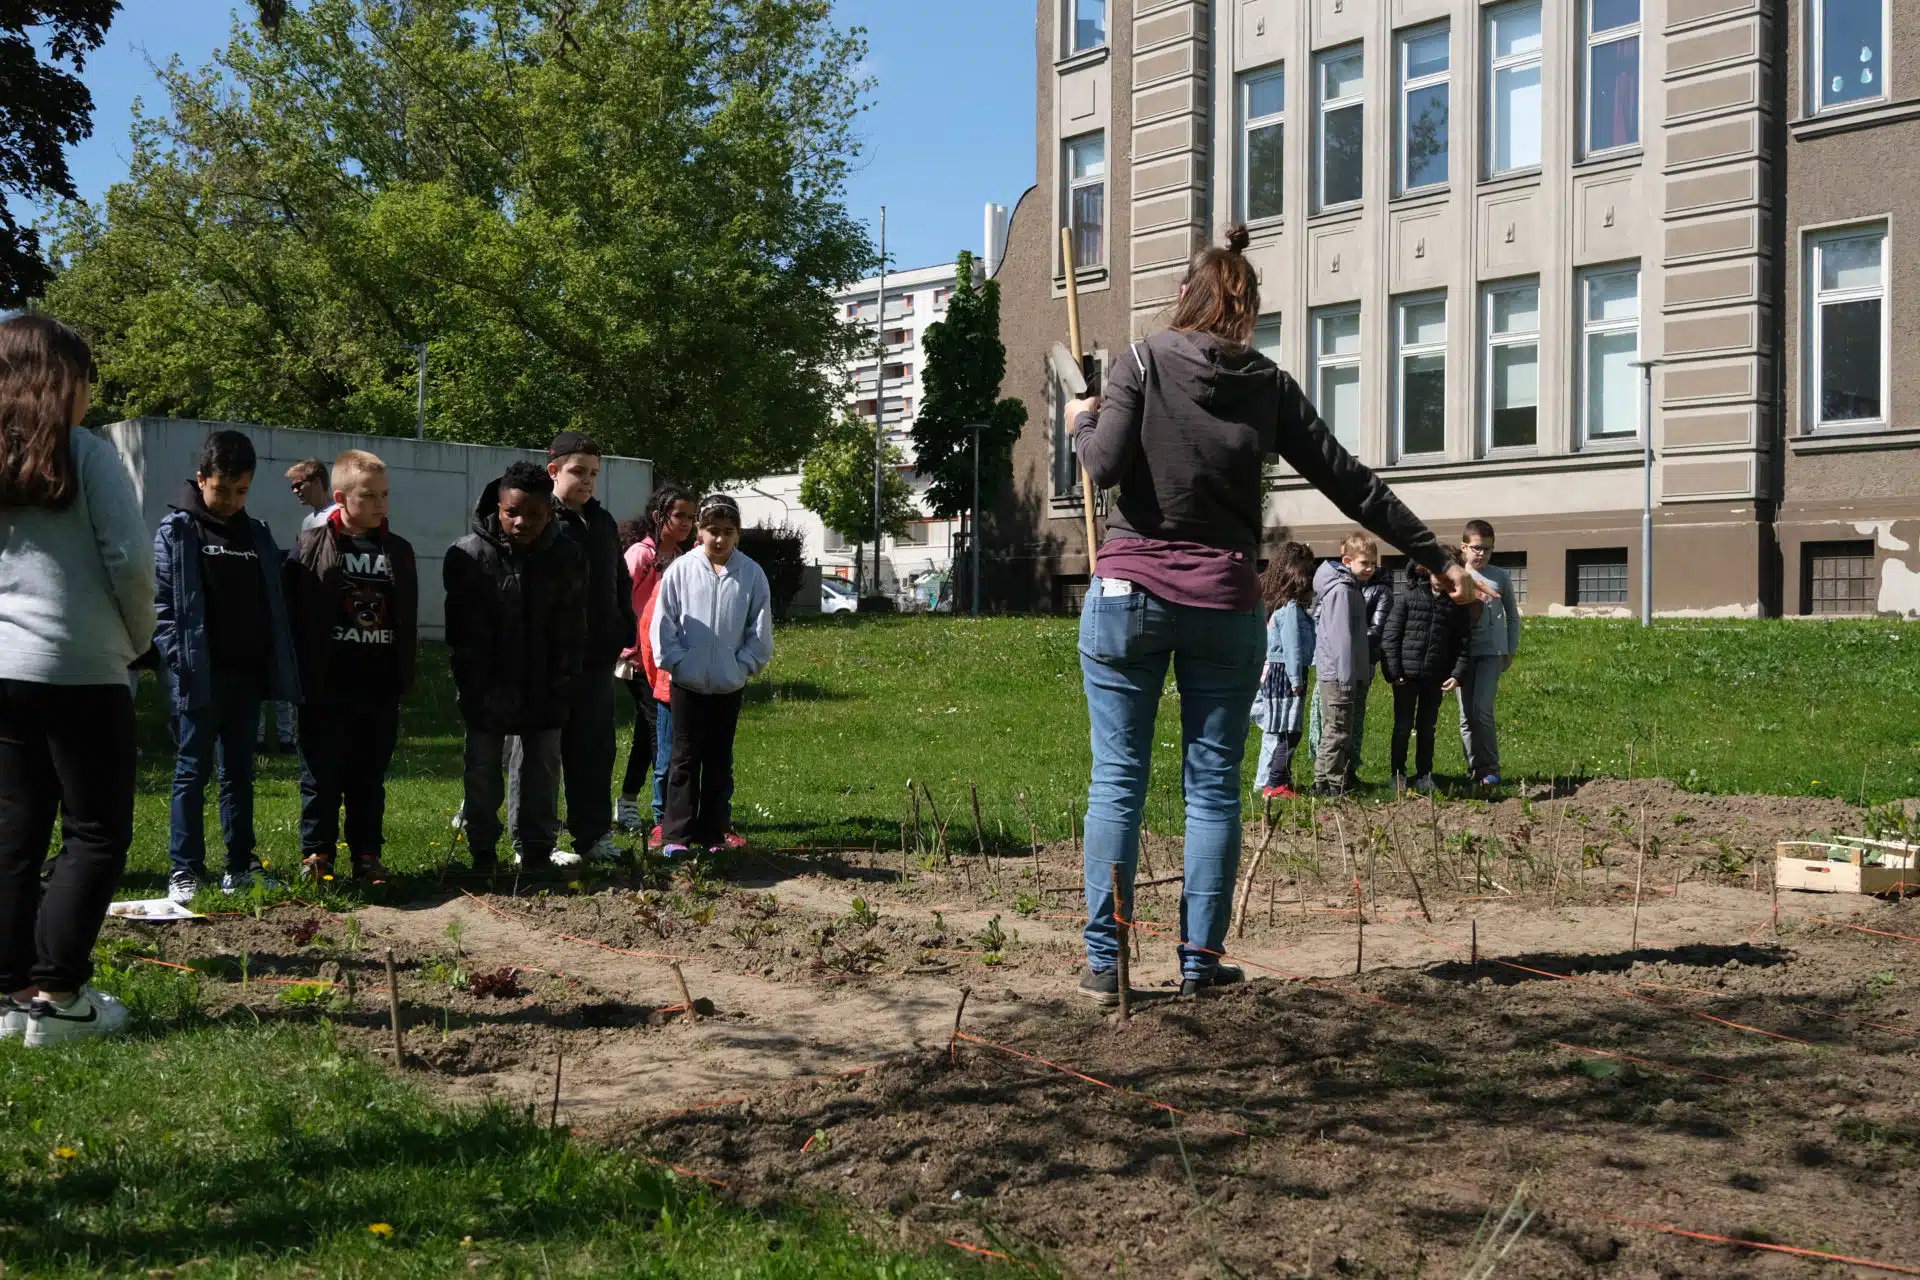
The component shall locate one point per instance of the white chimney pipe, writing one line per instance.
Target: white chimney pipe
(996, 238)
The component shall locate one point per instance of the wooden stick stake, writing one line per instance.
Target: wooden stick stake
(1639, 866)
(393, 1010)
(1272, 888)
(1124, 971)
(1474, 953)
(979, 836)
(1073, 336)
(915, 797)
(1360, 928)
(953, 1045)
(1774, 876)
(553, 1112)
(686, 999)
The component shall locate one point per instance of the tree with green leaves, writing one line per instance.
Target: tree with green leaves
(623, 217)
(836, 484)
(44, 109)
(966, 362)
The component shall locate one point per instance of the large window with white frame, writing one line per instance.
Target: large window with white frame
(1266, 336)
(1086, 198)
(1513, 104)
(1610, 391)
(1847, 327)
(1340, 160)
(1336, 373)
(1420, 374)
(1086, 24)
(1612, 75)
(1425, 71)
(1849, 51)
(1511, 400)
(1263, 138)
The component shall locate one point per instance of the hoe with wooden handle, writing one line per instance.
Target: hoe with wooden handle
(1072, 375)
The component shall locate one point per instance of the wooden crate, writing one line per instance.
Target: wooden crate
(1847, 864)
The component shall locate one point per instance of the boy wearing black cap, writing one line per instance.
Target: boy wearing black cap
(587, 751)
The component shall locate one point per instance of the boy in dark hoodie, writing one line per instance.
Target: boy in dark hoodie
(517, 625)
(353, 599)
(1342, 657)
(224, 646)
(587, 749)
(1425, 657)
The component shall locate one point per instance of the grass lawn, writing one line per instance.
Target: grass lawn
(269, 1151)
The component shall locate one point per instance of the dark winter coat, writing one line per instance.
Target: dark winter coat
(516, 622)
(611, 624)
(1426, 636)
(1379, 597)
(315, 585)
(180, 604)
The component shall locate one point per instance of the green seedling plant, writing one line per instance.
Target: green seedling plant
(863, 914)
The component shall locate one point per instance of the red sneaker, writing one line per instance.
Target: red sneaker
(653, 838)
(1281, 792)
(733, 842)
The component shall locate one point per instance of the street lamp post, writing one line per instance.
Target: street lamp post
(1646, 368)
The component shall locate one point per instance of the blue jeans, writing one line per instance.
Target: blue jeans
(1126, 643)
(219, 737)
(662, 758)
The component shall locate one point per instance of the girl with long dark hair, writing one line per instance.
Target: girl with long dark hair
(1188, 420)
(76, 610)
(652, 543)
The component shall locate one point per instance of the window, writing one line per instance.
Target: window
(1597, 577)
(940, 297)
(1266, 337)
(1610, 343)
(1425, 60)
(1848, 333)
(1849, 52)
(1263, 134)
(1342, 155)
(1512, 405)
(1515, 563)
(1089, 24)
(1087, 198)
(1838, 578)
(1612, 75)
(1513, 88)
(1420, 393)
(899, 337)
(1336, 346)
(833, 542)
(919, 534)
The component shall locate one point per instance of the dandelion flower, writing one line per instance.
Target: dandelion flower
(381, 1229)
(65, 1153)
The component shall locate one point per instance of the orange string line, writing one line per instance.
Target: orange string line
(1647, 1062)
(687, 1173)
(1805, 1013)
(1081, 1075)
(1894, 1268)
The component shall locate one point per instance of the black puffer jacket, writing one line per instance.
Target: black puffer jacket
(1426, 638)
(610, 621)
(516, 622)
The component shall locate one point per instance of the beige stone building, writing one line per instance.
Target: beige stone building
(1471, 223)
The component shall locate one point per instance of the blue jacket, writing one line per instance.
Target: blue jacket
(1290, 642)
(181, 630)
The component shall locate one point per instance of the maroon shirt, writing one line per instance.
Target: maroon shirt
(1189, 573)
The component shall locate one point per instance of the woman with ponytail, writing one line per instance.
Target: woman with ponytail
(1188, 420)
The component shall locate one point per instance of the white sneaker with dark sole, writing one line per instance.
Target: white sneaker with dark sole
(182, 886)
(88, 1016)
(13, 1018)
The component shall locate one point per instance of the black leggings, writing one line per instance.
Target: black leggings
(65, 749)
(640, 756)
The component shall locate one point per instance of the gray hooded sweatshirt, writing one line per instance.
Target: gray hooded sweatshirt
(1341, 651)
(713, 629)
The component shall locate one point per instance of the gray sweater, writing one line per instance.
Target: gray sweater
(713, 629)
(76, 586)
(1497, 633)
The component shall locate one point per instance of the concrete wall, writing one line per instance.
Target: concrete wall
(435, 485)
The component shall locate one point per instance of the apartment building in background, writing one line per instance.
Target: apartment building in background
(883, 388)
(1471, 222)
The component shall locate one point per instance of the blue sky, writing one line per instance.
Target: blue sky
(950, 127)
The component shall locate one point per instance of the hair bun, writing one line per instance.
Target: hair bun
(1238, 238)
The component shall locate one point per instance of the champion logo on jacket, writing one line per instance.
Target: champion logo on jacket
(238, 553)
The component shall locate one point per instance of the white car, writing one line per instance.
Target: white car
(838, 597)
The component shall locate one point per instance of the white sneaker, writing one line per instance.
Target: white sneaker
(626, 816)
(460, 818)
(181, 887)
(13, 1018)
(88, 1015)
(561, 858)
(605, 851)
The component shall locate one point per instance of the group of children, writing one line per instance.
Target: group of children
(1343, 622)
(546, 605)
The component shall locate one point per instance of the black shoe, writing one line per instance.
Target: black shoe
(485, 865)
(1102, 986)
(1223, 975)
(1329, 791)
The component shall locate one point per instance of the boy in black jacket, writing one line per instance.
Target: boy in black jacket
(587, 749)
(353, 602)
(517, 625)
(1425, 656)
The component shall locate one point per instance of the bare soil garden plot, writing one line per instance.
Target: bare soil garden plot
(1715, 1076)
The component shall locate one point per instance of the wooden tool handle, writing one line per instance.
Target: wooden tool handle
(1073, 342)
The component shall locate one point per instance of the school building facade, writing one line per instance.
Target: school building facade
(1471, 222)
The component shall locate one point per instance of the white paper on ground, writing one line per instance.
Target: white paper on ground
(153, 911)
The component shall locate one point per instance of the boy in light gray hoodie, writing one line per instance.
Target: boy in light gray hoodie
(1496, 640)
(1342, 658)
(713, 631)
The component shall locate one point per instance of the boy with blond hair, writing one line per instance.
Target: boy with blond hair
(353, 601)
(1342, 658)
